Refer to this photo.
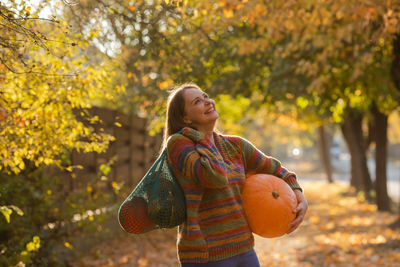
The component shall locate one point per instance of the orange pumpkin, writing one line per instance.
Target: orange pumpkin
(268, 203)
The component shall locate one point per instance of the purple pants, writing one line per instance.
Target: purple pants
(247, 259)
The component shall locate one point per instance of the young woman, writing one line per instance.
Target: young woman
(211, 169)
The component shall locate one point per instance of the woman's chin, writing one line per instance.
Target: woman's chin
(214, 116)
(211, 120)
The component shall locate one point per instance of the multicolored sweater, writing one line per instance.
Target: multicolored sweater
(212, 177)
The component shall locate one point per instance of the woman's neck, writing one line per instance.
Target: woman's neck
(208, 132)
(209, 135)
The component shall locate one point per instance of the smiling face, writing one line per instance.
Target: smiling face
(200, 110)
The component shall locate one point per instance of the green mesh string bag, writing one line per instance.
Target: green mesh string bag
(156, 202)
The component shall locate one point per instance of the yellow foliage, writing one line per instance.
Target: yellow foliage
(89, 189)
(165, 84)
(40, 95)
(145, 80)
(232, 112)
(34, 244)
(394, 128)
(68, 245)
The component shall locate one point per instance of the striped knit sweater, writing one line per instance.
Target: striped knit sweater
(212, 178)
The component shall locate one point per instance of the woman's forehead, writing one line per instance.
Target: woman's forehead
(192, 93)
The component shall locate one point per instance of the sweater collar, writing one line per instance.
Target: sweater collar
(194, 135)
(199, 137)
(221, 145)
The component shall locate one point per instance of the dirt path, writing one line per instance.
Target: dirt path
(339, 230)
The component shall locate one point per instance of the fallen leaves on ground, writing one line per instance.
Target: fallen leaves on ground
(156, 248)
(340, 229)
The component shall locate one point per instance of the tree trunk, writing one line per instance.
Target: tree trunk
(324, 152)
(381, 123)
(395, 68)
(371, 134)
(352, 132)
(355, 177)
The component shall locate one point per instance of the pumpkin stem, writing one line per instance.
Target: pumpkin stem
(275, 194)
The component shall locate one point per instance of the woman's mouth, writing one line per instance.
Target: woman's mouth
(210, 110)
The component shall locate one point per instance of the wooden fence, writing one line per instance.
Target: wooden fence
(134, 150)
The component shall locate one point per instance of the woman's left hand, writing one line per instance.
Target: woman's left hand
(300, 211)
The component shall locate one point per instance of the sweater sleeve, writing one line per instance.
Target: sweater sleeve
(197, 159)
(256, 161)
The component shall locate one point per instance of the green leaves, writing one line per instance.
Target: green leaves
(7, 211)
(34, 244)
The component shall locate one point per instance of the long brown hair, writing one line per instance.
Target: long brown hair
(176, 111)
